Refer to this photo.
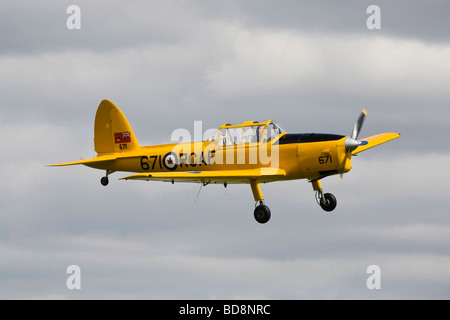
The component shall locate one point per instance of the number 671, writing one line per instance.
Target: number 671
(325, 159)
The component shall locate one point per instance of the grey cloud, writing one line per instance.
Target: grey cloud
(107, 26)
(404, 19)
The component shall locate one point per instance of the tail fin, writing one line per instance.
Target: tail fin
(112, 132)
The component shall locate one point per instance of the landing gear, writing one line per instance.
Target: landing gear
(326, 201)
(105, 180)
(262, 212)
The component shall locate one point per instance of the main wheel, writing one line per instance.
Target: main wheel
(104, 181)
(262, 213)
(329, 202)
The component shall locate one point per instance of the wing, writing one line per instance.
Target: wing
(222, 176)
(375, 140)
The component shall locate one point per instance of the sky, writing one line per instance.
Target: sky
(310, 65)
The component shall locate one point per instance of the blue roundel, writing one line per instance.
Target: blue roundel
(170, 161)
(363, 143)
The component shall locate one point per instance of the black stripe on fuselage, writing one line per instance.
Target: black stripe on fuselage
(308, 137)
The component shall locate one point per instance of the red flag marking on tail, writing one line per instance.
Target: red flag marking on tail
(122, 137)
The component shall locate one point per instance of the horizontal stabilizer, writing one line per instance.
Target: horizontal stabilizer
(87, 162)
(375, 140)
(223, 176)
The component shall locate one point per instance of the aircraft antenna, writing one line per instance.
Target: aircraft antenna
(201, 185)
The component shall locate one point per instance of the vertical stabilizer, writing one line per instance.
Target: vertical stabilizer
(112, 132)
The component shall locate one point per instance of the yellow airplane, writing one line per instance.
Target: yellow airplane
(252, 152)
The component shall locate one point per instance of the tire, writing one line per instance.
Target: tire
(330, 202)
(104, 181)
(262, 213)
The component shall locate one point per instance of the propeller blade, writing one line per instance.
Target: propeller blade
(350, 142)
(358, 125)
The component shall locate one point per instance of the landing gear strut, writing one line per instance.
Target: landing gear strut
(327, 201)
(262, 212)
(104, 180)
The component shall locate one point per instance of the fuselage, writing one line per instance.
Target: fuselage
(301, 156)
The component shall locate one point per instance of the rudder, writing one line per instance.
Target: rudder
(112, 132)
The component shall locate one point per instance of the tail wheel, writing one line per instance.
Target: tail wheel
(328, 202)
(262, 213)
(104, 180)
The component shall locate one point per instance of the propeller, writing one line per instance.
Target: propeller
(358, 124)
(350, 142)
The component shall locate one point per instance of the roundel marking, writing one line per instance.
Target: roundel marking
(170, 161)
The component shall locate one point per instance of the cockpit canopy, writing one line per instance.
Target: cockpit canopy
(247, 132)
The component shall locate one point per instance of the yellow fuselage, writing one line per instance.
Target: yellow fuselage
(313, 156)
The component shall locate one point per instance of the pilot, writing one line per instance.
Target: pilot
(223, 137)
(259, 133)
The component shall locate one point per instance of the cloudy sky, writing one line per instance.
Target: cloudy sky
(310, 65)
